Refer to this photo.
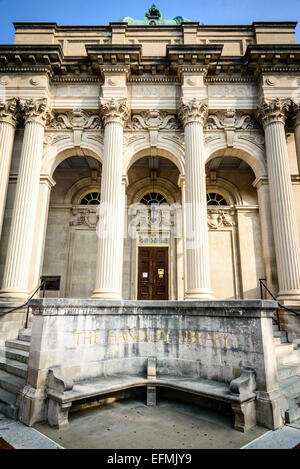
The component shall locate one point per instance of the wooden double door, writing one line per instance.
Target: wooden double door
(153, 283)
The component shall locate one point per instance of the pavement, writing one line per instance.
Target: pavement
(19, 436)
(133, 425)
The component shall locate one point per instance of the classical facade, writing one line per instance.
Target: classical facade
(150, 160)
(168, 110)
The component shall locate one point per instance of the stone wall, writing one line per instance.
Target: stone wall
(212, 340)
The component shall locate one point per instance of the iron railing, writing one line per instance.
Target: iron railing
(263, 285)
(42, 285)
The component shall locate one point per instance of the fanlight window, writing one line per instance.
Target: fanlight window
(153, 198)
(213, 198)
(92, 198)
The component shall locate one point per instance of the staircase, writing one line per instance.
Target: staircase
(288, 367)
(13, 371)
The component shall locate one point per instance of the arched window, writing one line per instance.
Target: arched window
(153, 198)
(92, 198)
(213, 198)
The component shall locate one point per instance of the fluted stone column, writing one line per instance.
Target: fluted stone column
(110, 229)
(8, 121)
(267, 236)
(45, 187)
(273, 115)
(21, 236)
(193, 115)
(297, 134)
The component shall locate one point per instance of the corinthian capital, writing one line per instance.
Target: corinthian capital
(114, 110)
(9, 111)
(37, 111)
(192, 111)
(273, 111)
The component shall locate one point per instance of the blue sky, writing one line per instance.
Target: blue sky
(103, 11)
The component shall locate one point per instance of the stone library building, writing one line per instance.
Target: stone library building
(150, 218)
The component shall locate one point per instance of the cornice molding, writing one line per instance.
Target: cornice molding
(153, 79)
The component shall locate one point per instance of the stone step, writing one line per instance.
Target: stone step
(288, 371)
(24, 335)
(8, 404)
(18, 344)
(14, 367)
(293, 412)
(280, 340)
(11, 383)
(279, 333)
(292, 358)
(291, 387)
(284, 349)
(17, 354)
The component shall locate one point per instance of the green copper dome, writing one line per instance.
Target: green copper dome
(154, 16)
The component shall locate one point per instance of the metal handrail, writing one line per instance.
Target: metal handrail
(281, 306)
(42, 284)
(262, 284)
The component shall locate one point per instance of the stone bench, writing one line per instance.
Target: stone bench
(240, 393)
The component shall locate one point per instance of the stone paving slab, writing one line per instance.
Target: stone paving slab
(285, 438)
(133, 425)
(20, 436)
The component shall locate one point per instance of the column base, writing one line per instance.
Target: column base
(195, 294)
(12, 293)
(106, 295)
(289, 297)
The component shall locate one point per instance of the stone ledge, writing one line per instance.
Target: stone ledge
(74, 307)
